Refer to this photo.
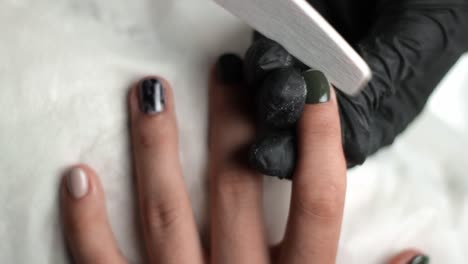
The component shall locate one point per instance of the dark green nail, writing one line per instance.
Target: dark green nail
(229, 69)
(420, 260)
(318, 87)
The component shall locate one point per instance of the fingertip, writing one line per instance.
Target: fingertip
(81, 194)
(320, 118)
(152, 117)
(264, 56)
(150, 97)
(78, 182)
(227, 89)
(320, 150)
(281, 98)
(318, 88)
(275, 154)
(84, 217)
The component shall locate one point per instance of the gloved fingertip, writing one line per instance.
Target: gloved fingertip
(281, 98)
(274, 155)
(264, 56)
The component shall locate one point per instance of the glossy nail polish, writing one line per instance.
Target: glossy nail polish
(77, 183)
(318, 87)
(420, 260)
(229, 69)
(152, 98)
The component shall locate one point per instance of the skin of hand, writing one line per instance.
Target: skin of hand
(237, 227)
(409, 45)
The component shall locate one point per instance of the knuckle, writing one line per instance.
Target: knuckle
(233, 186)
(231, 183)
(326, 203)
(162, 215)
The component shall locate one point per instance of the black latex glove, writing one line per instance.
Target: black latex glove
(409, 45)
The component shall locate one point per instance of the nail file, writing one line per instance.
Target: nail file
(304, 33)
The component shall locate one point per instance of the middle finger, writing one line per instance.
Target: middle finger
(237, 229)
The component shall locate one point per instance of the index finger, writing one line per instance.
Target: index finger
(319, 184)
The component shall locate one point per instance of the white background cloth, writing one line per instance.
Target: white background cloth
(65, 68)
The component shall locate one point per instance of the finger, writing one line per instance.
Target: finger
(167, 219)
(319, 183)
(85, 221)
(410, 257)
(237, 231)
(281, 98)
(274, 154)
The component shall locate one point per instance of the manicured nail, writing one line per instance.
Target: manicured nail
(152, 98)
(318, 87)
(77, 183)
(420, 260)
(229, 69)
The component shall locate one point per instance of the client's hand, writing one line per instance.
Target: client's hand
(237, 227)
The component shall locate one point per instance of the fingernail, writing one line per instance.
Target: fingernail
(229, 69)
(77, 183)
(152, 98)
(420, 260)
(318, 87)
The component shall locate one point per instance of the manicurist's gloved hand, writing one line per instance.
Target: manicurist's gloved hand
(408, 44)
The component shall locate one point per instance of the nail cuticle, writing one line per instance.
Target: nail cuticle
(152, 96)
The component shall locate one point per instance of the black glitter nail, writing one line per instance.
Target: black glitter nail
(151, 94)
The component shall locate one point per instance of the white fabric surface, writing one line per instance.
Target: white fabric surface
(65, 68)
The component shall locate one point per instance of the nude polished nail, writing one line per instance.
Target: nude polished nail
(151, 96)
(77, 183)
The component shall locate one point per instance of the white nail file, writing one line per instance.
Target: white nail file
(304, 33)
